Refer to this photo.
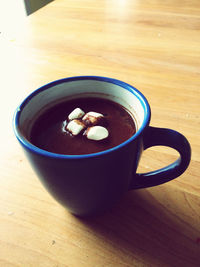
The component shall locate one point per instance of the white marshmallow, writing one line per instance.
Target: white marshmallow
(97, 133)
(93, 114)
(77, 113)
(75, 127)
(92, 118)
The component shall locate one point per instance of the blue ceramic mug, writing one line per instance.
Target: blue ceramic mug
(92, 183)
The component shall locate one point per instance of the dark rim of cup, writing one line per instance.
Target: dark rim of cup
(34, 149)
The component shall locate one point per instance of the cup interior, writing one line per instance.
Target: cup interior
(70, 88)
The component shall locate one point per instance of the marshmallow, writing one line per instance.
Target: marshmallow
(75, 127)
(92, 118)
(96, 133)
(77, 113)
(94, 114)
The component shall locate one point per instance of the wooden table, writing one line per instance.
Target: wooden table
(153, 45)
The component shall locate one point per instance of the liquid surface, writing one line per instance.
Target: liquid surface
(48, 134)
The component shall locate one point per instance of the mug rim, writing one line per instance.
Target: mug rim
(27, 144)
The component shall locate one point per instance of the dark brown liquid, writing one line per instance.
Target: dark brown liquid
(47, 132)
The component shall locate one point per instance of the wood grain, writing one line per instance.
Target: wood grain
(153, 45)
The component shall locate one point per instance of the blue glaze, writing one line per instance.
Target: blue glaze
(88, 184)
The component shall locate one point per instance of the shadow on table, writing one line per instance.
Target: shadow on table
(142, 229)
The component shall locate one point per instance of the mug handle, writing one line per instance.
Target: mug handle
(163, 137)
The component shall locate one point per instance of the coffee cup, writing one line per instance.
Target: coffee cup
(90, 184)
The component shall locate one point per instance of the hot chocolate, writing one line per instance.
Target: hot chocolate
(50, 131)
